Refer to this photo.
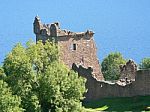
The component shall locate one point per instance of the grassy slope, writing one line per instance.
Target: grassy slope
(138, 103)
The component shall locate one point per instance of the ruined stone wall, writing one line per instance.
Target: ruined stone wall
(104, 89)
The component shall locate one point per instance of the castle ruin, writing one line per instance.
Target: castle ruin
(78, 52)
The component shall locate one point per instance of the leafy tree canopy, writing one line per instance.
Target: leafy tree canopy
(44, 84)
(8, 102)
(145, 63)
(110, 66)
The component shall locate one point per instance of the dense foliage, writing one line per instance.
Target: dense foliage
(145, 63)
(43, 83)
(8, 102)
(110, 66)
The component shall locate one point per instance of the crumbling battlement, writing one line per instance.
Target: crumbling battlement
(75, 47)
(49, 31)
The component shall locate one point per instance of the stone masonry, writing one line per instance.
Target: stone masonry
(75, 47)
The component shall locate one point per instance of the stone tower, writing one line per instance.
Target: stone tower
(75, 47)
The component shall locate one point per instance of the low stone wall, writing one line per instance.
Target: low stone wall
(103, 89)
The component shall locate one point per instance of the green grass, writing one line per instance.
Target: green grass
(96, 109)
(138, 103)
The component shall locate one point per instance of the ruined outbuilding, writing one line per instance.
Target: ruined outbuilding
(127, 73)
(75, 47)
(128, 70)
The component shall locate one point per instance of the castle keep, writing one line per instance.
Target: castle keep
(75, 47)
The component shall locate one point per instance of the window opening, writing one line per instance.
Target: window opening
(74, 46)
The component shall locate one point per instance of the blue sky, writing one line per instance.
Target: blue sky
(119, 25)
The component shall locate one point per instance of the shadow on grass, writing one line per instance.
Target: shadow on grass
(138, 103)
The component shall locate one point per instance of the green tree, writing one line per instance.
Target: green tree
(44, 84)
(21, 77)
(110, 66)
(145, 63)
(8, 102)
(61, 89)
